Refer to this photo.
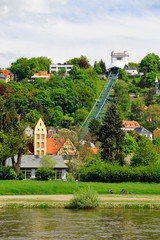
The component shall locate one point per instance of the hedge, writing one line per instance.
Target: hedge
(105, 172)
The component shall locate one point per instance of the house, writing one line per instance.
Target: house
(40, 134)
(30, 163)
(57, 67)
(156, 133)
(42, 74)
(28, 131)
(48, 144)
(130, 125)
(6, 75)
(144, 132)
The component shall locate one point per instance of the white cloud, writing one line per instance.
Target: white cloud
(62, 29)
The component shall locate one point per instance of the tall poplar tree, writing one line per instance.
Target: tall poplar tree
(111, 136)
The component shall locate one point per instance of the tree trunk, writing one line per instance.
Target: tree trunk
(17, 165)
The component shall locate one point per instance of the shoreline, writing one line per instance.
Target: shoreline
(107, 201)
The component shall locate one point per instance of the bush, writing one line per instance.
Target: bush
(44, 173)
(7, 173)
(106, 172)
(85, 199)
(20, 176)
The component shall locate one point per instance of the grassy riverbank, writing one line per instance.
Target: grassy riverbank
(60, 201)
(32, 187)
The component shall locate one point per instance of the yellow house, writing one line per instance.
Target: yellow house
(40, 133)
(156, 133)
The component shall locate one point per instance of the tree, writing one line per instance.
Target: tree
(156, 141)
(130, 144)
(97, 68)
(122, 74)
(103, 66)
(47, 161)
(153, 114)
(145, 154)
(150, 63)
(111, 135)
(94, 128)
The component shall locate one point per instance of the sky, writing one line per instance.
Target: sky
(64, 29)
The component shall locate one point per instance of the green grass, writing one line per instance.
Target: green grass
(32, 187)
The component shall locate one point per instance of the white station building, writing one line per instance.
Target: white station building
(120, 60)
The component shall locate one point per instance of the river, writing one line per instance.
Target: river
(115, 224)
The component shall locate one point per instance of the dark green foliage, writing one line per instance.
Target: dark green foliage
(111, 135)
(103, 66)
(44, 173)
(21, 176)
(85, 199)
(7, 173)
(94, 127)
(156, 141)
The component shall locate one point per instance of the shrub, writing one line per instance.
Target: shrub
(85, 199)
(20, 176)
(44, 173)
(7, 173)
(106, 172)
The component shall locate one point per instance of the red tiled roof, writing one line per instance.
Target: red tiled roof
(5, 72)
(49, 135)
(54, 145)
(130, 124)
(118, 53)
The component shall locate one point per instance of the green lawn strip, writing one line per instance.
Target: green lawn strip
(30, 187)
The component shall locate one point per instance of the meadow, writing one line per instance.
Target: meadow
(33, 187)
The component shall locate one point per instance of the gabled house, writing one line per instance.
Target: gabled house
(40, 133)
(6, 75)
(156, 133)
(28, 131)
(30, 163)
(144, 132)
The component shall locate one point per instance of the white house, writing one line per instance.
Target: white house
(57, 67)
(30, 163)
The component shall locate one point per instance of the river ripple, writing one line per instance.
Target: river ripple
(115, 224)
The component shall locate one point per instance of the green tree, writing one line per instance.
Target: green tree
(149, 63)
(103, 66)
(122, 75)
(111, 135)
(156, 141)
(47, 161)
(97, 68)
(145, 154)
(130, 144)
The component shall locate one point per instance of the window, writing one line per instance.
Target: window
(37, 153)
(40, 124)
(119, 58)
(42, 145)
(42, 152)
(38, 136)
(42, 136)
(58, 173)
(27, 172)
(38, 145)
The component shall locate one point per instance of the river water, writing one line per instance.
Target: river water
(115, 224)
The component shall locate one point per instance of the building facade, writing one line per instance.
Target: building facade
(57, 67)
(40, 134)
